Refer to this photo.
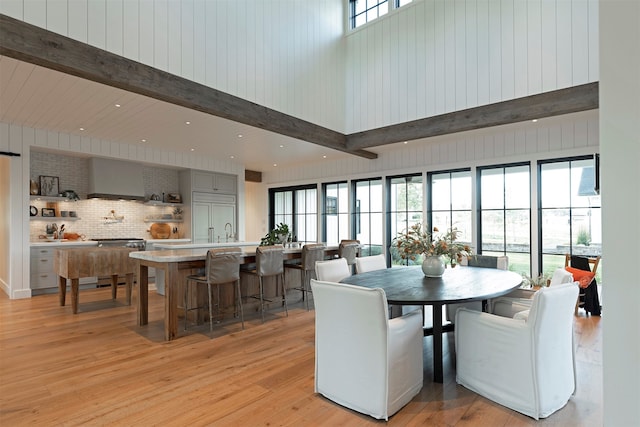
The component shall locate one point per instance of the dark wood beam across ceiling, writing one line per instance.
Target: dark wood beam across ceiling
(35, 45)
(547, 104)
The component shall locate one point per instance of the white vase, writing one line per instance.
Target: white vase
(433, 266)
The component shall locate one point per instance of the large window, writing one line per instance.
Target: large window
(363, 11)
(335, 212)
(405, 208)
(505, 214)
(570, 211)
(298, 208)
(449, 204)
(367, 215)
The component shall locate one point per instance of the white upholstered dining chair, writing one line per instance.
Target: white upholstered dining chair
(370, 263)
(365, 361)
(527, 365)
(332, 270)
(519, 300)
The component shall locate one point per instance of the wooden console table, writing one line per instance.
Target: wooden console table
(74, 264)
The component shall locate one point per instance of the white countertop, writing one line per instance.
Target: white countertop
(64, 242)
(154, 241)
(197, 254)
(203, 245)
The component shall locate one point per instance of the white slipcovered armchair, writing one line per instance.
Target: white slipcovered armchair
(365, 361)
(518, 302)
(527, 365)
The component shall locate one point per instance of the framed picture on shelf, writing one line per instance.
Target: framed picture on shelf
(49, 186)
(48, 212)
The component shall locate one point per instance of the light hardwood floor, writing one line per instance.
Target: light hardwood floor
(99, 368)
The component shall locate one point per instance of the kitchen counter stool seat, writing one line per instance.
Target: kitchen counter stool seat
(269, 263)
(222, 266)
(311, 253)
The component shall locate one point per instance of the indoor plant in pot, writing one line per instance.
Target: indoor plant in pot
(434, 248)
(278, 235)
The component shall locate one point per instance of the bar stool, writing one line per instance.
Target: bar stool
(349, 250)
(221, 266)
(269, 262)
(311, 253)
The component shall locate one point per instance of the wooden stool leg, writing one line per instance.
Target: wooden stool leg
(129, 287)
(75, 287)
(62, 290)
(114, 286)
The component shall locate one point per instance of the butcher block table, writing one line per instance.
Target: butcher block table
(75, 264)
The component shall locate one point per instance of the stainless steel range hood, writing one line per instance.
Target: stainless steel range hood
(115, 180)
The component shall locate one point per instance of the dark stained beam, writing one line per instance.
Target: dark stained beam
(35, 45)
(252, 176)
(547, 104)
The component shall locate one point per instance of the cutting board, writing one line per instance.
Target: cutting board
(160, 231)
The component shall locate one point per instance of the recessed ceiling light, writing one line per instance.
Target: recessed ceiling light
(143, 140)
(232, 157)
(117, 105)
(324, 157)
(193, 149)
(187, 123)
(275, 164)
(81, 128)
(534, 120)
(240, 135)
(405, 142)
(281, 146)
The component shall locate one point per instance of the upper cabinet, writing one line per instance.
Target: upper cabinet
(209, 182)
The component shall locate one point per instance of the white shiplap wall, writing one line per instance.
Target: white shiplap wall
(568, 135)
(438, 56)
(283, 54)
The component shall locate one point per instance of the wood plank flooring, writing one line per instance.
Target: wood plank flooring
(99, 368)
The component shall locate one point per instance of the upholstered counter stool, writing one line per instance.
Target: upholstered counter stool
(349, 250)
(269, 263)
(222, 266)
(311, 253)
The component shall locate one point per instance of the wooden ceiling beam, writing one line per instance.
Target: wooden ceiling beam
(35, 45)
(547, 104)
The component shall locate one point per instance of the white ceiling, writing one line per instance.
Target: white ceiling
(40, 98)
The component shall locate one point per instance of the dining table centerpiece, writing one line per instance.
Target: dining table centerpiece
(435, 248)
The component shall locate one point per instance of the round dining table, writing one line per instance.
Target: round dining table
(409, 286)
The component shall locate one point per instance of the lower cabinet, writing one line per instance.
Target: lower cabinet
(42, 275)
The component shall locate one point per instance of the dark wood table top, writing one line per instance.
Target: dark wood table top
(409, 286)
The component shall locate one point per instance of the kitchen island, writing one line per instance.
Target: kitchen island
(177, 264)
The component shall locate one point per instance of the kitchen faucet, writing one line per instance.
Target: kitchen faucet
(225, 231)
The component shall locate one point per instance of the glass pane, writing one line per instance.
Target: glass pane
(343, 198)
(461, 190)
(517, 187)
(376, 196)
(492, 231)
(377, 225)
(556, 236)
(583, 224)
(360, 6)
(462, 221)
(492, 189)
(583, 183)
(414, 194)
(362, 196)
(440, 192)
(555, 185)
(518, 231)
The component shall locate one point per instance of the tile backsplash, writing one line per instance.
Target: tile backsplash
(95, 219)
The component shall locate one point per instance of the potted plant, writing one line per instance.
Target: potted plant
(278, 235)
(416, 242)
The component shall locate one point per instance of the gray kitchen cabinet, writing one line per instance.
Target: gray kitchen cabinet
(209, 182)
(214, 218)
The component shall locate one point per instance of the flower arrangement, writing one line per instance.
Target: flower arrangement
(416, 241)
